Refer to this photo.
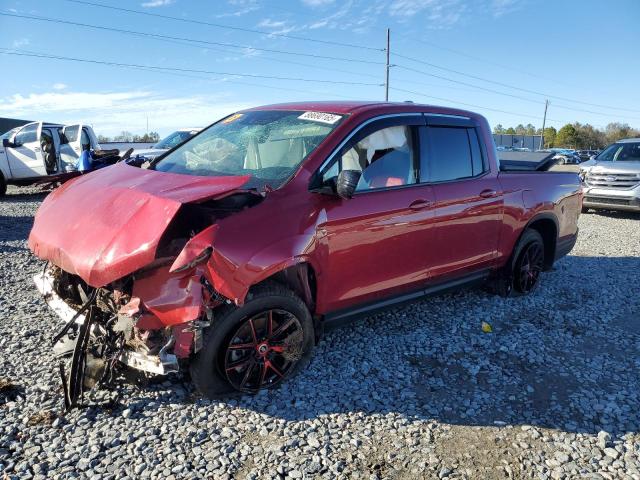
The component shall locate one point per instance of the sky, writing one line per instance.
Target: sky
(190, 62)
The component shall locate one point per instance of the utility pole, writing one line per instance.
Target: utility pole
(386, 83)
(544, 121)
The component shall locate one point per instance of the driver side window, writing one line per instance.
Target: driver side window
(385, 159)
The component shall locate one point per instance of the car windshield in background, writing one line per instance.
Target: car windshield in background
(621, 152)
(174, 139)
(269, 145)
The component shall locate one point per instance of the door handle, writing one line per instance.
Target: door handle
(488, 193)
(420, 204)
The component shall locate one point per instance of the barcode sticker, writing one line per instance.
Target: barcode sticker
(321, 117)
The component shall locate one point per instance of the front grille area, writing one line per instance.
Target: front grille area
(608, 201)
(613, 180)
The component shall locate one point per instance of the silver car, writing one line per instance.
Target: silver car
(611, 180)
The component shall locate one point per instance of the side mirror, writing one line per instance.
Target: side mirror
(347, 183)
(6, 143)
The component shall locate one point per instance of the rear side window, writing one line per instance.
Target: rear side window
(449, 153)
(71, 134)
(28, 134)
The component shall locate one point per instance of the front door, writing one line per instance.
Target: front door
(377, 244)
(25, 155)
(469, 200)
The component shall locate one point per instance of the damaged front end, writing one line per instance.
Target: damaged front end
(150, 321)
(136, 288)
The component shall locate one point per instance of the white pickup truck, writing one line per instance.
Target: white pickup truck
(39, 151)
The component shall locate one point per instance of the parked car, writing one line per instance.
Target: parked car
(566, 156)
(612, 179)
(40, 151)
(234, 250)
(167, 143)
(587, 154)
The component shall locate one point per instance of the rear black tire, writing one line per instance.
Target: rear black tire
(208, 371)
(527, 263)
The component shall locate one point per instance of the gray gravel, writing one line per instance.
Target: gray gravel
(419, 392)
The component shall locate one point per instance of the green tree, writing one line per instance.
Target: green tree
(498, 129)
(567, 137)
(550, 137)
(123, 137)
(616, 131)
(529, 129)
(510, 131)
(520, 130)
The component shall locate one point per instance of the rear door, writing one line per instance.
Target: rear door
(25, 156)
(469, 200)
(71, 145)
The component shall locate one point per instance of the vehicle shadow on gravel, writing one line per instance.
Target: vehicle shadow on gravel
(14, 228)
(24, 197)
(566, 357)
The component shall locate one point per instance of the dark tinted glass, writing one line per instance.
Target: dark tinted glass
(476, 155)
(447, 153)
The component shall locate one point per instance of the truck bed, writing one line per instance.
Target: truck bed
(526, 161)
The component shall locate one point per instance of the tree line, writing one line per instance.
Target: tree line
(128, 137)
(574, 135)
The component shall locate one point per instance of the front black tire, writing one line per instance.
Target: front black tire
(238, 346)
(584, 210)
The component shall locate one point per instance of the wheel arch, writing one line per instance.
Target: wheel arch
(297, 274)
(546, 224)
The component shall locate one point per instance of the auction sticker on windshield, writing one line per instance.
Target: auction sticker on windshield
(321, 117)
(232, 118)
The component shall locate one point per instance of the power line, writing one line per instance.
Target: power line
(517, 114)
(7, 51)
(186, 39)
(483, 60)
(228, 27)
(457, 72)
(497, 92)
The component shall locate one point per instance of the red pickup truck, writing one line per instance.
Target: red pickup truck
(231, 252)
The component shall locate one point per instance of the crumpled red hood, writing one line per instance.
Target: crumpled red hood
(107, 224)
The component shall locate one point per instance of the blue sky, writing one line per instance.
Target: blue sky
(501, 56)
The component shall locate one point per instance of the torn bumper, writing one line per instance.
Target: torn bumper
(160, 364)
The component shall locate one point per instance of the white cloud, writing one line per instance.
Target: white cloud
(277, 26)
(503, 7)
(20, 42)
(268, 23)
(112, 112)
(59, 86)
(243, 7)
(437, 13)
(157, 3)
(318, 3)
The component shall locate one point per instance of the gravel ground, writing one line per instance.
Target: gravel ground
(418, 392)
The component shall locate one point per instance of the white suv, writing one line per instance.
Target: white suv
(611, 180)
